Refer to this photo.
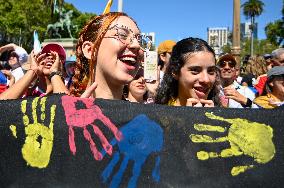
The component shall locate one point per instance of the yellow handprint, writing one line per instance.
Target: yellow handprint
(245, 138)
(39, 138)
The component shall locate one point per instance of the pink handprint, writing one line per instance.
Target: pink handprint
(84, 117)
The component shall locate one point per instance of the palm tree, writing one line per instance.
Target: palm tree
(252, 9)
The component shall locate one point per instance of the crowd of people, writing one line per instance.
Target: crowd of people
(108, 64)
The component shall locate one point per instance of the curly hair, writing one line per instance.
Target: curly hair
(93, 31)
(169, 86)
(256, 66)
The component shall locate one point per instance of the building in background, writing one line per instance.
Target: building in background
(217, 37)
(245, 30)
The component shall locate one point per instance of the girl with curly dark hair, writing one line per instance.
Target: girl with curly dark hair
(191, 78)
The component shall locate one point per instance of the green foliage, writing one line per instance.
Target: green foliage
(80, 21)
(261, 47)
(226, 48)
(153, 47)
(19, 18)
(18, 21)
(252, 8)
(275, 30)
(50, 5)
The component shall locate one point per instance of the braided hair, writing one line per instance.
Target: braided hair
(93, 31)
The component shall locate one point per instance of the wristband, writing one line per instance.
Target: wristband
(54, 73)
(248, 103)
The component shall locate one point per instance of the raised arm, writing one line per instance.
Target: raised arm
(10, 46)
(55, 76)
(17, 90)
(10, 77)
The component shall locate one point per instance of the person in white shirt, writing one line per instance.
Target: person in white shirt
(17, 56)
(233, 95)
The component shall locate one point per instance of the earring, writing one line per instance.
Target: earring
(174, 76)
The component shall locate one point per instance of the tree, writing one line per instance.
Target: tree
(17, 21)
(261, 47)
(53, 5)
(252, 9)
(275, 30)
(226, 48)
(78, 20)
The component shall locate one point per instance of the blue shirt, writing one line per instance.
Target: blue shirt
(3, 79)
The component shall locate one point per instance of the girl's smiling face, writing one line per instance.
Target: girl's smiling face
(197, 76)
(119, 53)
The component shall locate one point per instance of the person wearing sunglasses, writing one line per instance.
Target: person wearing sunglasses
(232, 94)
(274, 89)
(109, 52)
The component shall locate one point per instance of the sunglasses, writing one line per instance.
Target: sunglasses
(223, 64)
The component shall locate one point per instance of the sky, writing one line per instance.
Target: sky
(179, 19)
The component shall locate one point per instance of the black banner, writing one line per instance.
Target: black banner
(63, 141)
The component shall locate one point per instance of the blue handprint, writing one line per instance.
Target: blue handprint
(141, 137)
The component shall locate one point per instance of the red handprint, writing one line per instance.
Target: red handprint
(84, 117)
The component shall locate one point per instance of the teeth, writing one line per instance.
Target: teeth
(131, 59)
(201, 89)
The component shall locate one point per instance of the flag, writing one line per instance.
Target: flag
(37, 45)
(107, 8)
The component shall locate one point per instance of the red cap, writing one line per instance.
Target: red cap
(57, 48)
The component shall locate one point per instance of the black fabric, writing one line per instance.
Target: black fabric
(248, 78)
(156, 146)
